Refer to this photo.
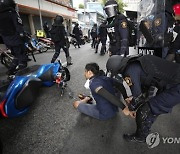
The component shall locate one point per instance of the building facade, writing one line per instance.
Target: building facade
(91, 14)
(35, 12)
(131, 8)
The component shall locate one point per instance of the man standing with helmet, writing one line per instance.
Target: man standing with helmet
(77, 33)
(117, 29)
(94, 33)
(11, 30)
(102, 37)
(60, 39)
(142, 73)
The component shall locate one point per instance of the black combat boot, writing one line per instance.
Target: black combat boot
(68, 59)
(134, 138)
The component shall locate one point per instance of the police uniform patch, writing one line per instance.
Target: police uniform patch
(124, 24)
(128, 81)
(157, 22)
(147, 24)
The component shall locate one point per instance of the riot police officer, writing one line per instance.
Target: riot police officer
(156, 24)
(59, 37)
(141, 73)
(77, 32)
(117, 29)
(11, 30)
(102, 37)
(46, 29)
(94, 32)
(173, 53)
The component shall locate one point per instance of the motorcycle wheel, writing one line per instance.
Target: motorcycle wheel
(43, 49)
(66, 74)
(6, 61)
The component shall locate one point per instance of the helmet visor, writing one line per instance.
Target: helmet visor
(111, 10)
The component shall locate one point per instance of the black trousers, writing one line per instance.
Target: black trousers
(94, 41)
(78, 39)
(103, 47)
(20, 57)
(144, 120)
(58, 47)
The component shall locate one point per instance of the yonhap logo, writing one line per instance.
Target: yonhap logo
(153, 140)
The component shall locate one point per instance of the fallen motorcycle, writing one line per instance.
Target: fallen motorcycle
(17, 96)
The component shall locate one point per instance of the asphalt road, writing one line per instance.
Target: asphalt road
(53, 126)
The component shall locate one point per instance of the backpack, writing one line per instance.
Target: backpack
(57, 33)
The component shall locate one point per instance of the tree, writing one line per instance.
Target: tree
(81, 6)
(120, 3)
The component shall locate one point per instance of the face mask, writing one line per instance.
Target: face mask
(86, 85)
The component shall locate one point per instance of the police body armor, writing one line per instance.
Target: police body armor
(113, 30)
(159, 72)
(7, 27)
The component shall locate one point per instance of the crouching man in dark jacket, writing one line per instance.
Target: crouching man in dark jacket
(103, 92)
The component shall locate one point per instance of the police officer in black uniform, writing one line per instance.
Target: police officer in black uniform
(59, 37)
(94, 33)
(141, 73)
(175, 46)
(117, 29)
(157, 26)
(102, 37)
(11, 30)
(46, 29)
(77, 32)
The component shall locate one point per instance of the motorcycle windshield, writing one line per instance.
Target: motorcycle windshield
(151, 23)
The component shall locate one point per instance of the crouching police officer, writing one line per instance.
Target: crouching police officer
(11, 30)
(141, 73)
(117, 29)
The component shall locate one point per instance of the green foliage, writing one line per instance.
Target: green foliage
(81, 6)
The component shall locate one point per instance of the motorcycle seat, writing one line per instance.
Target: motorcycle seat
(47, 76)
(28, 93)
(28, 70)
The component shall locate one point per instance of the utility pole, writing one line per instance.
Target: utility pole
(40, 15)
(85, 11)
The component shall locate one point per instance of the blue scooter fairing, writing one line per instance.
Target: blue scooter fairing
(23, 90)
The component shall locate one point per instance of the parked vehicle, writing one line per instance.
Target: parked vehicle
(47, 41)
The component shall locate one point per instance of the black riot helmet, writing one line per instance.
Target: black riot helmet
(113, 64)
(117, 64)
(111, 8)
(58, 20)
(7, 5)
